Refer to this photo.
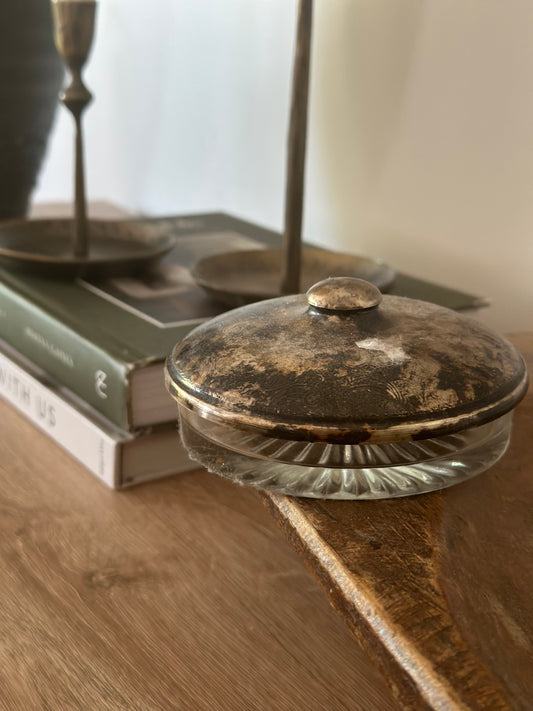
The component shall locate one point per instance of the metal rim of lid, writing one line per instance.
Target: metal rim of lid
(406, 430)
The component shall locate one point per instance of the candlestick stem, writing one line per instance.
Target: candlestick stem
(73, 32)
(81, 240)
(294, 195)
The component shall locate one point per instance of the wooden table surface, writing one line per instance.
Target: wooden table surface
(182, 594)
(179, 594)
(439, 587)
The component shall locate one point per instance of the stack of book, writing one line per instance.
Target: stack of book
(84, 359)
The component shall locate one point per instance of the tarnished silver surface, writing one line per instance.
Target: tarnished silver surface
(401, 370)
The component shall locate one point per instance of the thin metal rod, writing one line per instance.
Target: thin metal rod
(294, 193)
(81, 242)
(73, 34)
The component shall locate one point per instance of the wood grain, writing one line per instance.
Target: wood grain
(180, 594)
(438, 588)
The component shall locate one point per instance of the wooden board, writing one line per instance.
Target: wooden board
(439, 587)
(180, 594)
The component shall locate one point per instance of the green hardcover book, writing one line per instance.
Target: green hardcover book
(107, 341)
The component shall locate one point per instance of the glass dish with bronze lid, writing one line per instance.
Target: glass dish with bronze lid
(344, 393)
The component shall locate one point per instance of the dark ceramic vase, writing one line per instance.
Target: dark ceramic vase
(31, 75)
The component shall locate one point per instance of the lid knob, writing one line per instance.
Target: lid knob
(343, 294)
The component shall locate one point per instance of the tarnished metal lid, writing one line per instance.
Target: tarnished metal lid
(345, 364)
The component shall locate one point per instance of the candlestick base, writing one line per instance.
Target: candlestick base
(116, 248)
(243, 277)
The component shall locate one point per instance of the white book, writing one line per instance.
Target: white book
(116, 457)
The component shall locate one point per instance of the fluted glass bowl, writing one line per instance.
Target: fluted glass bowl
(340, 471)
(345, 393)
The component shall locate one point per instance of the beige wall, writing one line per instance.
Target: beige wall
(420, 130)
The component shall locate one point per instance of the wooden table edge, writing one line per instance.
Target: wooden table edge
(413, 678)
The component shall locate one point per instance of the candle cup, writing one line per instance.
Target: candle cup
(74, 30)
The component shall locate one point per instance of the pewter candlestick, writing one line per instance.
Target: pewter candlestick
(101, 248)
(73, 34)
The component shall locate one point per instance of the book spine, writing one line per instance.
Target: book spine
(69, 428)
(89, 371)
